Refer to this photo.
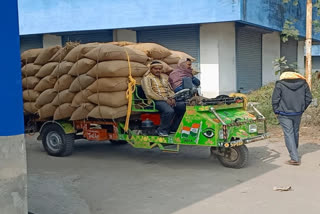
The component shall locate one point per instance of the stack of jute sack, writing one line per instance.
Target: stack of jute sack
(80, 81)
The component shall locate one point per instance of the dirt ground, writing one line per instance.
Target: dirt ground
(100, 178)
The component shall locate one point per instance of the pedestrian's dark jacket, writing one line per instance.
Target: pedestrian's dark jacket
(291, 97)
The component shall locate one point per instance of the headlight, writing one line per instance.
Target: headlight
(253, 128)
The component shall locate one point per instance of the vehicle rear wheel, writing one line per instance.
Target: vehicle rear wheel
(234, 157)
(56, 142)
(118, 142)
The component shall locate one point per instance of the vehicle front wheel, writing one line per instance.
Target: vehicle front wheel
(234, 157)
(118, 142)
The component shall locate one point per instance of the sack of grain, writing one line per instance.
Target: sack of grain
(30, 107)
(138, 80)
(30, 69)
(166, 68)
(62, 97)
(152, 50)
(81, 82)
(81, 97)
(172, 59)
(106, 112)
(82, 66)
(181, 55)
(107, 52)
(47, 111)
(46, 97)
(117, 68)
(109, 85)
(30, 95)
(29, 56)
(78, 52)
(62, 68)
(63, 111)
(46, 83)
(62, 53)
(30, 82)
(82, 111)
(63, 82)
(122, 43)
(112, 99)
(46, 69)
(46, 54)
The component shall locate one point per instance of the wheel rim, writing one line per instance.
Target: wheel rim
(54, 141)
(232, 155)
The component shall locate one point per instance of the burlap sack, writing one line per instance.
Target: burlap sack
(121, 43)
(82, 111)
(62, 53)
(138, 80)
(63, 111)
(30, 107)
(112, 99)
(106, 112)
(46, 69)
(172, 59)
(30, 69)
(63, 82)
(81, 97)
(107, 52)
(166, 68)
(46, 54)
(81, 83)
(78, 52)
(29, 56)
(30, 95)
(181, 55)
(117, 68)
(152, 50)
(62, 68)
(30, 82)
(109, 85)
(174, 66)
(82, 66)
(46, 83)
(47, 111)
(62, 97)
(46, 97)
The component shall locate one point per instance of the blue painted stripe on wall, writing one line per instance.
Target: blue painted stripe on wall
(11, 108)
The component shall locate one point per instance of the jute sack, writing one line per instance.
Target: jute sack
(29, 56)
(166, 68)
(47, 111)
(46, 69)
(81, 97)
(62, 97)
(30, 69)
(30, 107)
(30, 95)
(81, 82)
(82, 111)
(109, 84)
(63, 111)
(107, 52)
(62, 68)
(112, 99)
(78, 52)
(117, 68)
(121, 43)
(138, 80)
(62, 53)
(172, 59)
(63, 82)
(106, 112)
(45, 83)
(82, 66)
(181, 55)
(174, 66)
(46, 97)
(152, 50)
(46, 54)
(30, 82)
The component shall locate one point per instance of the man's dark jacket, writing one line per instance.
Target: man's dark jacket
(291, 97)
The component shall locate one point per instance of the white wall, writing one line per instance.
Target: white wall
(125, 35)
(217, 59)
(300, 57)
(51, 40)
(270, 51)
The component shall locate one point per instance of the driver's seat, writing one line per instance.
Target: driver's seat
(140, 103)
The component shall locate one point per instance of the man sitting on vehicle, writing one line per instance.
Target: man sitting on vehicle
(156, 87)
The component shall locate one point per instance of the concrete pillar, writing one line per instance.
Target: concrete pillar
(13, 174)
(51, 40)
(217, 59)
(270, 51)
(125, 35)
(300, 57)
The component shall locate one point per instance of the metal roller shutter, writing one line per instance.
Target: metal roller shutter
(289, 49)
(249, 59)
(184, 39)
(88, 36)
(30, 42)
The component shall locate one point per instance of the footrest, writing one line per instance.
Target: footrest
(172, 148)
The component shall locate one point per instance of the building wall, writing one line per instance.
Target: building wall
(51, 40)
(125, 35)
(270, 51)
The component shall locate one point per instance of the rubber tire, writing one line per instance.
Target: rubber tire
(118, 142)
(222, 96)
(240, 162)
(67, 141)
